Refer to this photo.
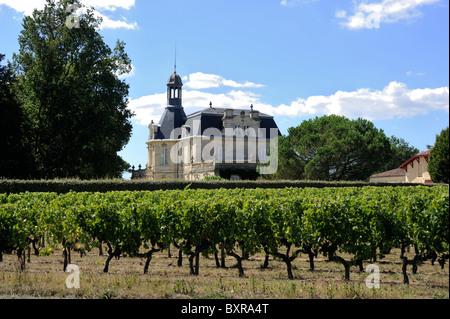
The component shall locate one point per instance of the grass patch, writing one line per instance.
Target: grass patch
(44, 278)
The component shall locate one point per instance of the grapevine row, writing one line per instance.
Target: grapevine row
(366, 223)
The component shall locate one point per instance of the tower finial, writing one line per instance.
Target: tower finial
(175, 67)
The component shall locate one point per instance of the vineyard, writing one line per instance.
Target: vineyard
(349, 226)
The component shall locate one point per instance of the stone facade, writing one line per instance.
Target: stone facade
(212, 142)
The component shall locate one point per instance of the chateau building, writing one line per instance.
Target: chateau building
(414, 170)
(230, 143)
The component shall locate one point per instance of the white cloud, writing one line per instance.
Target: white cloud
(110, 5)
(151, 107)
(371, 15)
(129, 74)
(27, 7)
(411, 73)
(290, 3)
(148, 108)
(393, 102)
(201, 80)
(108, 23)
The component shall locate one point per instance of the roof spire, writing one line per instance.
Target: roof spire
(175, 66)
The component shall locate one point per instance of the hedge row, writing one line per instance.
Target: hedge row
(62, 186)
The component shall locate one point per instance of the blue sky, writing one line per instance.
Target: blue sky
(384, 60)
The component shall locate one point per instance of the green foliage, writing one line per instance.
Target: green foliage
(334, 148)
(439, 161)
(213, 178)
(14, 161)
(69, 88)
(62, 186)
(399, 153)
(290, 166)
(363, 222)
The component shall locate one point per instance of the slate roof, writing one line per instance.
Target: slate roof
(212, 118)
(173, 117)
(175, 80)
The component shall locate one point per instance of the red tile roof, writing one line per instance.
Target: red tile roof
(391, 173)
(425, 154)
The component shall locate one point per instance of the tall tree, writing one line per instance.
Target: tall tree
(68, 83)
(14, 160)
(438, 165)
(289, 164)
(399, 153)
(337, 148)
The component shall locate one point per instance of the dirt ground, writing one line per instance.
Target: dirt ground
(44, 278)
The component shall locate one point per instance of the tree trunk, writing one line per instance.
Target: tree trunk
(147, 262)
(197, 262)
(289, 269)
(36, 250)
(266, 258)
(194, 259)
(100, 249)
(192, 267)
(359, 263)
(346, 266)
(21, 256)
(149, 259)
(308, 250)
(407, 262)
(442, 260)
(404, 268)
(111, 254)
(65, 259)
(222, 257)
(29, 254)
(106, 269)
(239, 262)
(216, 257)
(311, 260)
(416, 257)
(402, 251)
(288, 261)
(414, 267)
(180, 258)
(266, 262)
